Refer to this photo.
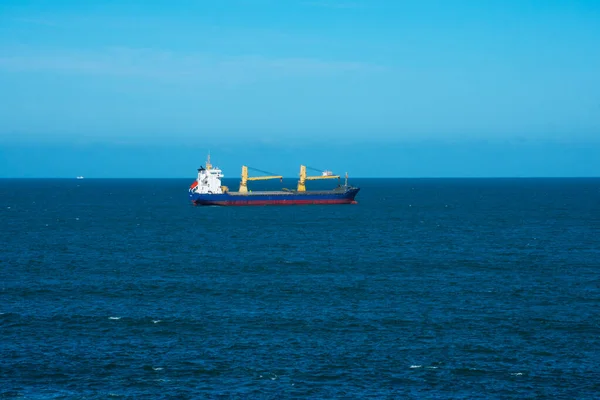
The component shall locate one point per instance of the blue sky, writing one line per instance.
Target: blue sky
(376, 88)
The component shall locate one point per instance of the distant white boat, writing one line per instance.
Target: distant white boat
(80, 177)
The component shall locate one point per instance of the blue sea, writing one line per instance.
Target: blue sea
(427, 288)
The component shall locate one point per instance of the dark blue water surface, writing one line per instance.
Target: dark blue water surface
(427, 288)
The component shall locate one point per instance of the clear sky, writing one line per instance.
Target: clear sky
(123, 88)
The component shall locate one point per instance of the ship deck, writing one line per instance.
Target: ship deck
(288, 193)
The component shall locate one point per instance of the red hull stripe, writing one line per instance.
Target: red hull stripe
(276, 202)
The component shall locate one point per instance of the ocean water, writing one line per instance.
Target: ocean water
(432, 288)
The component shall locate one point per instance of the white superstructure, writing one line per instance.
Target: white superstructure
(209, 180)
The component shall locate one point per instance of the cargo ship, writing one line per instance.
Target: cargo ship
(208, 190)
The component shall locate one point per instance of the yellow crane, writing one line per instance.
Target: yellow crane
(304, 178)
(246, 178)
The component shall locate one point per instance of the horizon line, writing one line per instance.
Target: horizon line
(357, 177)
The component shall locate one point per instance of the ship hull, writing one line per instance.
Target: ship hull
(274, 198)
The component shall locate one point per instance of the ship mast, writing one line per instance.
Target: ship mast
(208, 164)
